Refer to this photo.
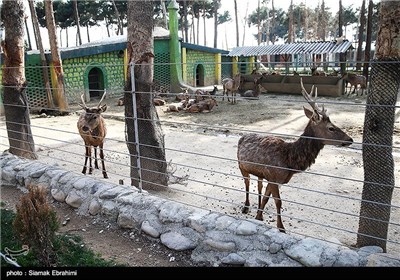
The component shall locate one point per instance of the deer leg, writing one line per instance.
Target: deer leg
(90, 159)
(259, 188)
(227, 96)
(102, 162)
(96, 165)
(264, 201)
(86, 159)
(278, 204)
(348, 91)
(246, 177)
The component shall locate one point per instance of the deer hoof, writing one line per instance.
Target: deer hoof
(245, 209)
(259, 217)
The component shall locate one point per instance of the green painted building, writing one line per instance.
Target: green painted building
(91, 68)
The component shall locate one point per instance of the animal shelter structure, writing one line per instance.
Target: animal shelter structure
(91, 68)
(292, 57)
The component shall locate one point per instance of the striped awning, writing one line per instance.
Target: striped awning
(322, 47)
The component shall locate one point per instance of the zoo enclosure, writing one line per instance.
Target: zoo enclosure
(194, 165)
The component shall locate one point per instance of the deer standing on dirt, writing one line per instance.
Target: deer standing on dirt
(232, 86)
(355, 80)
(273, 159)
(92, 128)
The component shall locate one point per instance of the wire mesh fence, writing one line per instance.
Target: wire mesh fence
(201, 152)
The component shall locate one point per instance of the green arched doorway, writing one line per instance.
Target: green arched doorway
(95, 82)
(200, 75)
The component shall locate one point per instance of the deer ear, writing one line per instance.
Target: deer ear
(308, 112)
(312, 115)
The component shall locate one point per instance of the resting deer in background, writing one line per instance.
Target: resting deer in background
(231, 85)
(92, 128)
(214, 90)
(273, 159)
(254, 93)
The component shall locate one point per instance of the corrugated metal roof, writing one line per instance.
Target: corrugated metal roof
(294, 48)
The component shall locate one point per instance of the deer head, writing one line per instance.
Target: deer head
(320, 124)
(92, 117)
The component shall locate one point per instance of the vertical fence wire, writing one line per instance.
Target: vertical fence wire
(135, 121)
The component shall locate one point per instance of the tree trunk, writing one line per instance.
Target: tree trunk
(378, 131)
(87, 32)
(66, 36)
(273, 24)
(198, 30)
(360, 36)
(237, 24)
(245, 24)
(216, 23)
(193, 32)
(120, 30)
(305, 23)
(185, 22)
(342, 56)
(16, 105)
(368, 42)
(321, 22)
(258, 24)
(164, 11)
(61, 37)
(204, 23)
(108, 29)
(60, 98)
(38, 40)
(151, 137)
(76, 14)
(291, 31)
(27, 33)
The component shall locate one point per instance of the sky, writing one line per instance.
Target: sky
(226, 32)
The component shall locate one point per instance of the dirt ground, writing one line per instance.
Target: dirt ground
(202, 147)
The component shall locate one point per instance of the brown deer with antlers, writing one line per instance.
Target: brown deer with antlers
(92, 128)
(273, 159)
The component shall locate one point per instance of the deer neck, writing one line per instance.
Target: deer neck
(98, 131)
(304, 150)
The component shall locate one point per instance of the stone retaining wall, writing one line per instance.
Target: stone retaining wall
(214, 238)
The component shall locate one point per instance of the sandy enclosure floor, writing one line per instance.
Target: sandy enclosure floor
(322, 202)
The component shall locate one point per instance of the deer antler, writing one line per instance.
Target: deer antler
(84, 106)
(310, 100)
(104, 94)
